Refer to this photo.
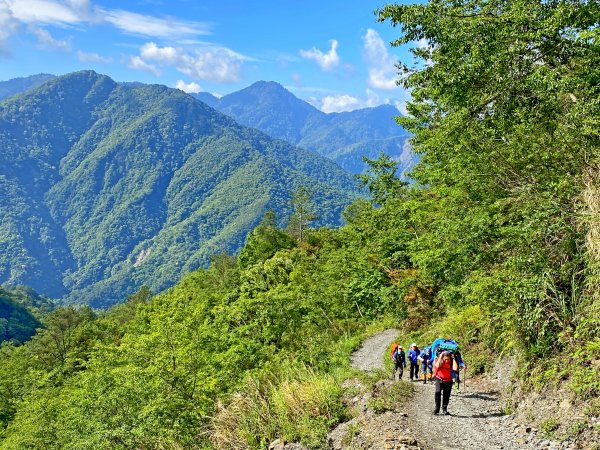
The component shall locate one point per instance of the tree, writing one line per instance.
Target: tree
(303, 215)
(264, 241)
(381, 179)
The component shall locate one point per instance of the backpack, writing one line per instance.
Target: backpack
(394, 348)
(397, 356)
(443, 345)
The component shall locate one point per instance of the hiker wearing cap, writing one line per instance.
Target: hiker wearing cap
(413, 357)
(443, 367)
(399, 361)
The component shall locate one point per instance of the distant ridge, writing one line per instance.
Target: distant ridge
(267, 106)
(342, 137)
(18, 85)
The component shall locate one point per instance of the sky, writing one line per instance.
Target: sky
(332, 53)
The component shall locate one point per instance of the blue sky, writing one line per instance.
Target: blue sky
(331, 53)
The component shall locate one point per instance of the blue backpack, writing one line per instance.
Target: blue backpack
(443, 345)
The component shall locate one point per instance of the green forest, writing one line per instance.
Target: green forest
(105, 187)
(495, 242)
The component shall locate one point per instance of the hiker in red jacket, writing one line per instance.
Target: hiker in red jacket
(443, 366)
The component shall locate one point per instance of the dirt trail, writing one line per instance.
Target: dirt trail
(369, 356)
(476, 420)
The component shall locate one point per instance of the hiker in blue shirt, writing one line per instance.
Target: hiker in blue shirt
(426, 363)
(413, 357)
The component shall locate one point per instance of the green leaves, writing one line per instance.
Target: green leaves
(505, 146)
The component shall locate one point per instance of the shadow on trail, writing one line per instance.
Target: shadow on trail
(491, 396)
(477, 415)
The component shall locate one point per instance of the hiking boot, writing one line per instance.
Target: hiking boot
(445, 411)
(436, 412)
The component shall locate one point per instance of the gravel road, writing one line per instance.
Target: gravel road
(369, 356)
(476, 420)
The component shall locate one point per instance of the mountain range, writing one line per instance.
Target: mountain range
(267, 106)
(105, 187)
(342, 137)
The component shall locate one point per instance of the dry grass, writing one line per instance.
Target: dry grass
(298, 406)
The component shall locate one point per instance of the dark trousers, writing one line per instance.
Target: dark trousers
(442, 393)
(397, 368)
(414, 371)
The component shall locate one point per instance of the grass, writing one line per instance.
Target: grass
(390, 396)
(297, 405)
(549, 426)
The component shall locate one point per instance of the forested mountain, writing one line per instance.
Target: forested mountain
(267, 106)
(106, 186)
(343, 137)
(14, 86)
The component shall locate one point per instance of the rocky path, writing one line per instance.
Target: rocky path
(476, 420)
(370, 355)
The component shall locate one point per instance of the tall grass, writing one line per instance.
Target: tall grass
(294, 403)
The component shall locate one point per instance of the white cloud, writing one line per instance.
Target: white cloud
(335, 103)
(373, 99)
(44, 12)
(93, 58)
(382, 79)
(135, 62)
(46, 40)
(152, 26)
(382, 69)
(8, 23)
(190, 88)
(216, 64)
(401, 106)
(339, 103)
(326, 61)
(422, 43)
(74, 12)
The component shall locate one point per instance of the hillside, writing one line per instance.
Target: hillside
(106, 187)
(17, 321)
(342, 137)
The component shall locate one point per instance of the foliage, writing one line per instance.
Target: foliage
(20, 311)
(294, 404)
(304, 213)
(504, 114)
(389, 396)
(491, 245)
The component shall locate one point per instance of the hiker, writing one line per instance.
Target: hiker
(443, 366)
(399, 360)
(460, 365)
(426, 363)
(413, 356)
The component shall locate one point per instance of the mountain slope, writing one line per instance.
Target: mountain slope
(108, 187)
(343, 137)
(18, 310)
